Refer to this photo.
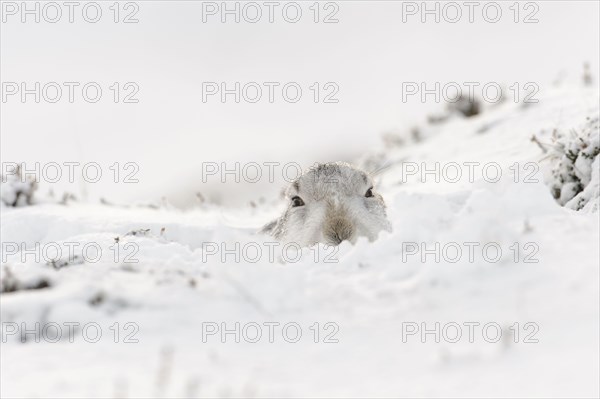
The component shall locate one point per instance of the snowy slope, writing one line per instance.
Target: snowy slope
(369, 293)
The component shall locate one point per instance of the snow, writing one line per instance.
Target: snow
(372, 289)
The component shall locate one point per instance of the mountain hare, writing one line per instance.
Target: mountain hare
(330, 203)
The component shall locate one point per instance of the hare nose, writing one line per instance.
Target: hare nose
(338, 229)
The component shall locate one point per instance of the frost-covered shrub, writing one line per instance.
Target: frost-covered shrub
(466, 106)
(575, 175)
(10, 283)
(16, 189)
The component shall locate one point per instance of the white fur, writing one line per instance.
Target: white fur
(335, 208)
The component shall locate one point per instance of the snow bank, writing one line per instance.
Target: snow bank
(509, 256)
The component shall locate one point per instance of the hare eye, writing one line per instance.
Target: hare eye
(369, 192)
(297, 201)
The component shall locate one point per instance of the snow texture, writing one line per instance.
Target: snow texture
(369, 293)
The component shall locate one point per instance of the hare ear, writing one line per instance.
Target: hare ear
(270, 227)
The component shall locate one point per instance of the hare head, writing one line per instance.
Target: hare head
(330, 203)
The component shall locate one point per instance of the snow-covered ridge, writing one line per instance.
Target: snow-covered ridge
(545, 273)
